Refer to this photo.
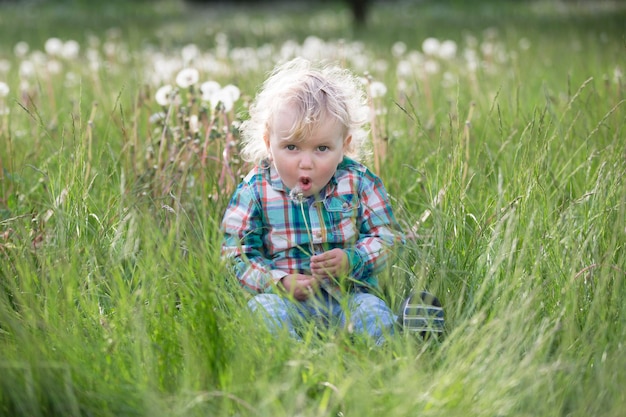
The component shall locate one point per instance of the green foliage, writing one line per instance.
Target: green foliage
(508, 179)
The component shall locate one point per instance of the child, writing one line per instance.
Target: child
(308, 229)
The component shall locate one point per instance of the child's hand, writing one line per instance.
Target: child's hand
(300, 286)
(331, 264)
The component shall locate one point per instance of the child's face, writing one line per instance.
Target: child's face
(307, 162)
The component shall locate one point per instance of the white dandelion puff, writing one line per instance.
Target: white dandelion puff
(431, 46)
(232, 91)
(70, 49)
(194, 123)
(223, 97)
(398, 49)
(190, 52)
(53, 46)
(21, 49)
(431, 66)
(377, 89)
(447, 50)
(617, 75)
(5, 65)
(296, 195)
(380, 65)
(187, 77)
(416, 58)
(157, 118)
(404, 69)
(54, 67)
(209, 89)
(27, 69)
(4, 89)
(164, 96)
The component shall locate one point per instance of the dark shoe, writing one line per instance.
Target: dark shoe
(422, 313)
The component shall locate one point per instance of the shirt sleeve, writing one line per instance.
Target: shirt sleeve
(378, 230)
(242, 245)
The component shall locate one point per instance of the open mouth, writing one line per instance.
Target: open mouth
(305, 183)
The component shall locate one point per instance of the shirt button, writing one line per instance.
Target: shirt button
(345, 205)
(318, 234)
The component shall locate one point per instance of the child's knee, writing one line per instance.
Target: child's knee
(370, 302)
(268, 302)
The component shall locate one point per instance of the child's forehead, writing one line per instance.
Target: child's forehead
(290, 119)
(289, 126)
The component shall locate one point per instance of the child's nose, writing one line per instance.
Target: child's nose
(305, 160)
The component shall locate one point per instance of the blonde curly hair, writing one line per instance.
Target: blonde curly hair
(314, 92)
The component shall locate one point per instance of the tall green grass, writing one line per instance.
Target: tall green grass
(509, 183)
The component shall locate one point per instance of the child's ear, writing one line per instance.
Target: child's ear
(346, 143)
(266, 138)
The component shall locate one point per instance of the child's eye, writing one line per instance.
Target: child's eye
(322, 148)
(290, 147)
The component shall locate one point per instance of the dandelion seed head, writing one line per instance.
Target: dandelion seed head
(194, 124)
(109, 48)
(209, 89)
(313, 47)
(94, 66)
(164, 95)
(38, 58)
(187, 77)
(53, 46)
(4, 89)
(404, 69)
(401, 86)
(430, 46)
(488, 48)
(190, 52)
(24, 86)
(232, 91)
(398, 49)
(289, 48)
(377, 89)
(431, 66)
(164, 68)
(21, 49)
(296, 195)
(617, 75)
(224, 98)
(70, 49)
(54, 67)
(27, 69)
(5, 66)
(447, 50)
(157, 118)
(416, 57)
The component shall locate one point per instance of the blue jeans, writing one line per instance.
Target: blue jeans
(361, 313)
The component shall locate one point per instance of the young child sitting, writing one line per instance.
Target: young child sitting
(309, 228)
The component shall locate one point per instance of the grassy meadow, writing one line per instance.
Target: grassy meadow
(498, 128)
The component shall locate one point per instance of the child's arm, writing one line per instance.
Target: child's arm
(242, 246)
(378, 230)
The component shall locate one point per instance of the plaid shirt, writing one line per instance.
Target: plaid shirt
(267, 235)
